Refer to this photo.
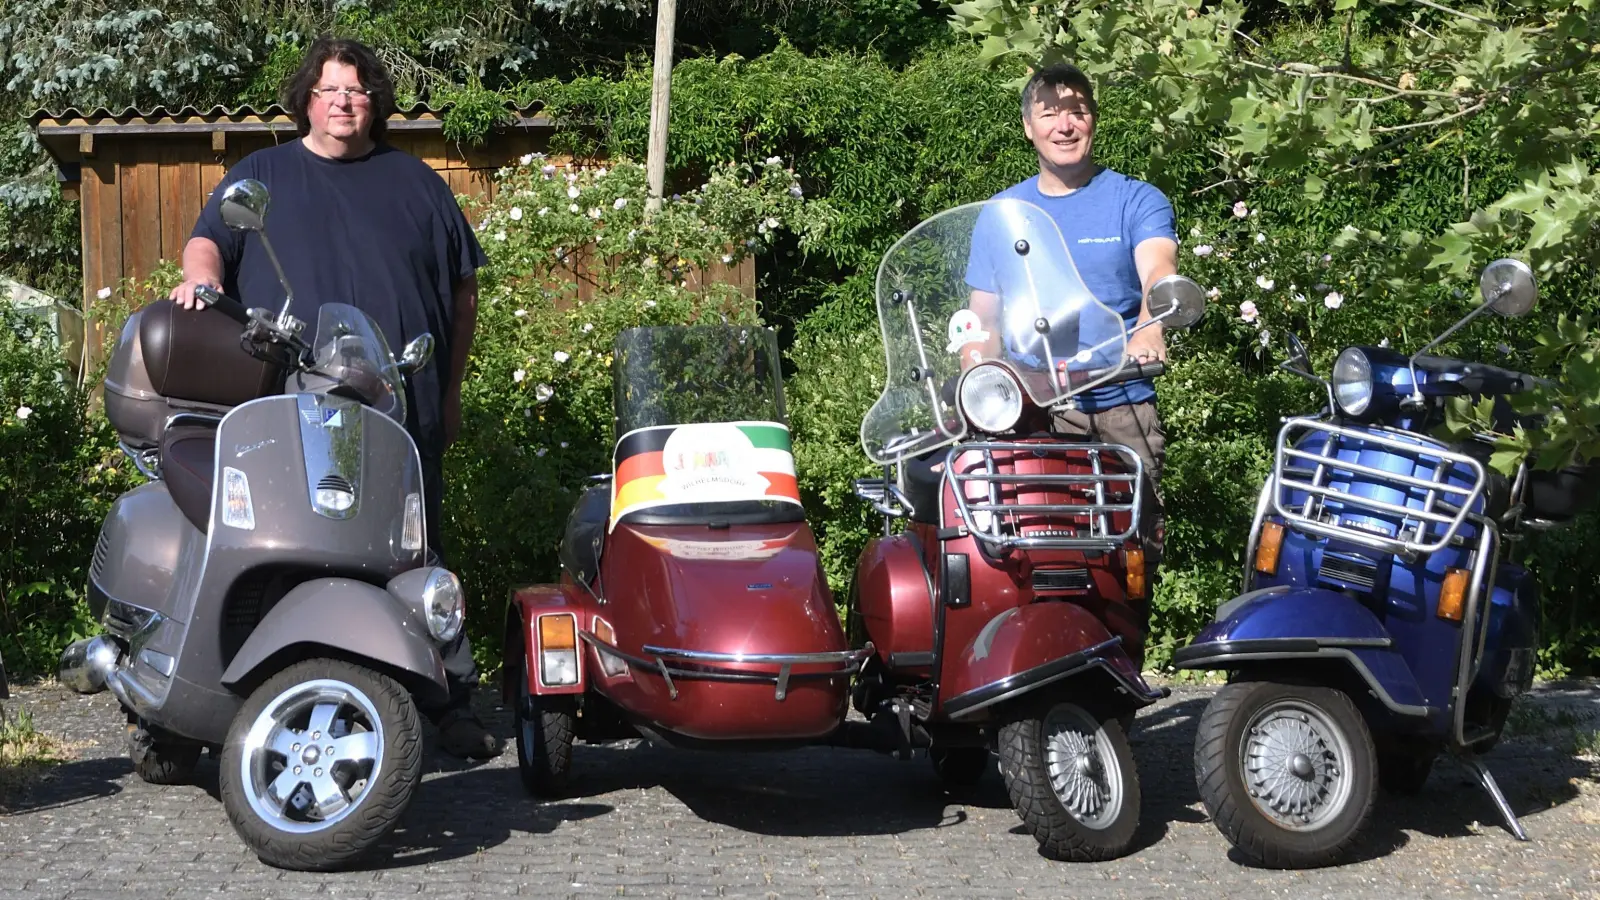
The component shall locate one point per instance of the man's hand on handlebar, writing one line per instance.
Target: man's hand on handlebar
(184, 294)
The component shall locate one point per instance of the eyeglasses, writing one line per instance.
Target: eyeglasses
(351, 95)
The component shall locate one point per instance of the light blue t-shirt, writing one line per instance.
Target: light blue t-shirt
(1102, 222)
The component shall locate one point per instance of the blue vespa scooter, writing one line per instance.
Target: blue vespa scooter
(1380, 624)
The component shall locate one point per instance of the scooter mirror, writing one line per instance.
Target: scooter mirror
(416, 354)
(1177, 301)
(1298, 358)
(244, 205)
(1508, 287)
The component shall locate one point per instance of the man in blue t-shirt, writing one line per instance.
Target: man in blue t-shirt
(353, 220)
(1122, 236)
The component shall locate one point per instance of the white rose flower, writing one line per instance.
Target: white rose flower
(601, 172)
(594, 212)
(1265, 283)
(499, 235)
(796, 192)
(1240, 210)
(1266, 337)
(516, 214)
(772, 223)
(588, 327)
(1214, 293)
(1261, 238)
(518, 375)
(520, 313)
(540, 452)
(650, 304)
(1248, 311)
(1203, 250)
(1334, 300)
(573, 192)
(562, 356)
(23, 412)
(103, 293)
(572, 207)
(543, 392)
(526, 159)
(544, 210)
(726, 259)
(774, 160)
(563, 445)
(621, 202)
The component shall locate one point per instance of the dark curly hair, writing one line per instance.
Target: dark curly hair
(374, 77)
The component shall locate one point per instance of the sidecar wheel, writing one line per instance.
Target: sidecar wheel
(320, 764)
(1072, 779)
(544, 742)
(959, 766)
(1287, 772)
(161, 759)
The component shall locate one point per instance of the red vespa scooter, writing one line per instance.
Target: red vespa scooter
(1004, 614)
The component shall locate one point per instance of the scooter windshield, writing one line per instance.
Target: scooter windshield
(990, 281)
(351, 350)
(701, 430)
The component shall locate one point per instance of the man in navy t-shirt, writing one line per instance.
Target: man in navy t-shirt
(356, 221)
(1122, 236)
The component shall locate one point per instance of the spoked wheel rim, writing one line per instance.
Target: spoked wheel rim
(312, 756)
(1295, 762)
(1083, 769)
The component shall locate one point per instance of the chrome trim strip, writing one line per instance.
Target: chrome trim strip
(851, 662)
(1404, 709)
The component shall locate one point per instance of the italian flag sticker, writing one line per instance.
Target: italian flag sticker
(702, 463)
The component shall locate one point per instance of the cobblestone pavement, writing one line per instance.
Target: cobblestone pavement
(658, 822)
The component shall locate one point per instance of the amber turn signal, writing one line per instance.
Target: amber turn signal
(1453, 595)
(558, 632)
(1135, 566)
(1268, 548)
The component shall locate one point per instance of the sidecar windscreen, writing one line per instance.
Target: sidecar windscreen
(702, 436)
(985, 282)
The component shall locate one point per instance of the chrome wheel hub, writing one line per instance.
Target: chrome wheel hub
(1294, 763)
(1083, 772)
(311, 756)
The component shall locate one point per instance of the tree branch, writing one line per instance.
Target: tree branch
(1454, 12)
(1431, 123)
(1344, 76)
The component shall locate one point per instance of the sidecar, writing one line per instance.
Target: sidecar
(691, 606)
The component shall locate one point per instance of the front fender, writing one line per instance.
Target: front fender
(349, 616)
(1283, 623)
(1028, 647)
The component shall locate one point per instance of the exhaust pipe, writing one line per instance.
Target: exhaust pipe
(86, 664)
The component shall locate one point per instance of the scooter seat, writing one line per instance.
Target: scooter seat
(188, 466)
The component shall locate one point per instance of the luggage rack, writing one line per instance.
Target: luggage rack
(1096, 533)
(1424, 529)
(706, 666)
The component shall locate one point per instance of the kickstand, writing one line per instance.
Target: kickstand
(1486, 779)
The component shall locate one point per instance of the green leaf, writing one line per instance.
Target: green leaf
(1506, 461)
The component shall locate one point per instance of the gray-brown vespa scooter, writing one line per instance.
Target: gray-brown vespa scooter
(267, 592)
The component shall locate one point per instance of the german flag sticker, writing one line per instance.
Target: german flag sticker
(702, 463)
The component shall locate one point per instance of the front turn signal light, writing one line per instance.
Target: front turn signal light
(1269, 547)
(1453, 595)
(1137, 583)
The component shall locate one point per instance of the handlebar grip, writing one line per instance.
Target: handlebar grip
(1128, 371)
(224, 304)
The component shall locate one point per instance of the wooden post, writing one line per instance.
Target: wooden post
(660, 93)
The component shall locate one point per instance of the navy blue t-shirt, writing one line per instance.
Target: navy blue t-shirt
(381, 232)
(1102, 222)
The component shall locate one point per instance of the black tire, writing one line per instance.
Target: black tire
(1348, 765)
(162, 759)
(959, 766)
(1082, 836)
(1404, 773)
(348, 834)
(544, 741)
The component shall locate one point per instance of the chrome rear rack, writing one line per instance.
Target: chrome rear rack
(1431, 513)
(1090, 524)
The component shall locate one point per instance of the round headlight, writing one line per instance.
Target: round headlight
(1352, 381)
(443, 606)
(991, 399)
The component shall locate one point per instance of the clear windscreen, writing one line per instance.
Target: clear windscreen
(694, 374)
(985, 281)
(351, 350)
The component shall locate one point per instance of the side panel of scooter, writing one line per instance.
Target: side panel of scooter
(273, 442)
(142, 543)
(1511, 646)
(896, 601)
(741, 589)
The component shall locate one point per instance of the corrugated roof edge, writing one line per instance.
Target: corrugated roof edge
(44, 117)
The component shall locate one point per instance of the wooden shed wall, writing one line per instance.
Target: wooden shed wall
(141, 193)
